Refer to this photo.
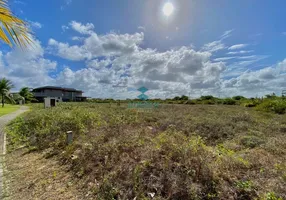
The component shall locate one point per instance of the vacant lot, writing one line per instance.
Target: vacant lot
(8, 109)
(173, 152)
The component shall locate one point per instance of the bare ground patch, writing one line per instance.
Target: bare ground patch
(31, 176)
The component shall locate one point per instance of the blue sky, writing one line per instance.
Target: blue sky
(106, 47)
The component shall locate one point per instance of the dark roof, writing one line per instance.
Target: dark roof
(58, 88)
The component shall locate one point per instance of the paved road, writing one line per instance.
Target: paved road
(3, 121)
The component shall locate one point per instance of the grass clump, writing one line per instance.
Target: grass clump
(251, 141)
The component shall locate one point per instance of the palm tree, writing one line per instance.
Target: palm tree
(17, 98)
(16, 29)
(26, 94)
(5, 87)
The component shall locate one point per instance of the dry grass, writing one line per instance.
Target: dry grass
(174, 152)
(31, 176)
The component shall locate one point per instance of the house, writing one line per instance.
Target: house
(60, 93)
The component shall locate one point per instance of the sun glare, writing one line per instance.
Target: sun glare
(168, 9)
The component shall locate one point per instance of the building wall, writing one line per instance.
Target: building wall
(48, 93)
(64, 95)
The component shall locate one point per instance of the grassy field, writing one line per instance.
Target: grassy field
(8, 108)
(173, 152)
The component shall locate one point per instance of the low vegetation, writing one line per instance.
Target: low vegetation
(271, 103)
(172, 152)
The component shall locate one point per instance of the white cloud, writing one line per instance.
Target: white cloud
(66, 51)
(19, 2)
(247, 57)
(111, 44)
(218, 44)
(37, 25)
(239, 52)
(224, 59)
(281, 67)
(241, 64)
(238, 46)
(112, 63)
(64, 28)
(226, 34)
(76, 38)
(81, 28)
(142, 28)
(98, 64)
(27, 68)
(258, 82)
(114, 60)
(67, 3)
(214, 46)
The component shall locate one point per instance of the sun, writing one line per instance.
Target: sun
(168, 9)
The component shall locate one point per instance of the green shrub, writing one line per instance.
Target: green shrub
(277, 106)
(209, 97)
(272, 196)
(229, 101)
(209, 102)
(249, 102)
(238, 98)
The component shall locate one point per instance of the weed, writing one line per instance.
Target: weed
(251, 141)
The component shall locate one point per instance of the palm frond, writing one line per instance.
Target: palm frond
(16, 30)
(5, 84)
(9, 98)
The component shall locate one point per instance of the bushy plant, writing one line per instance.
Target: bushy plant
(208, 97)
(238, 98)
(277, 105)
(229, 101)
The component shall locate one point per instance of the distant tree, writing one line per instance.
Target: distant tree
(177, 98)
(184, 98)
(17, 97)
(26, 94)
(270, 96)
(5, 87)
(208, 97)
(229, 101)
(238, 98)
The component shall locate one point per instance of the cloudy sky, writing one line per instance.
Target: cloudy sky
(108, 48)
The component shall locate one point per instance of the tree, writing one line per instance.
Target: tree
(16, 29)
(176, 98)
(184, 98)
(26, 94)
(238, 98)
(270, 96)
(17, 98)
(208, 97)
(5, 87)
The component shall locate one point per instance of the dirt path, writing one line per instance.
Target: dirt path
(3, 121)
